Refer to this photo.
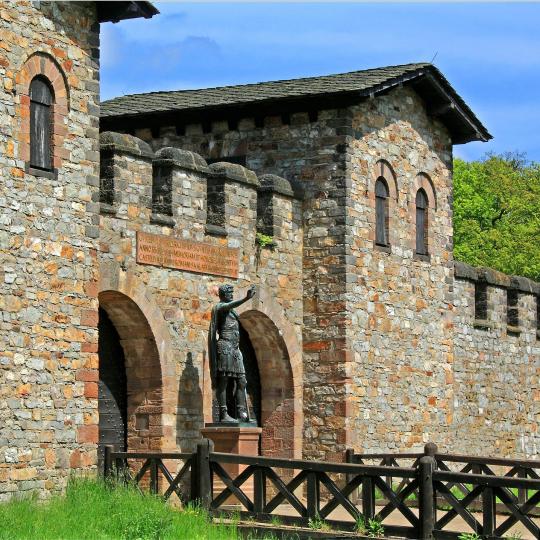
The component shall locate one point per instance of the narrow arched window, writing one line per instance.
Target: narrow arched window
(381, 212)
(421, 222)
(41, 124)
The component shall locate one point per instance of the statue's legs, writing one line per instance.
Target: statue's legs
(240, 397)
(221, 394)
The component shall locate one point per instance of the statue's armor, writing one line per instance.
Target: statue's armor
(229, 362)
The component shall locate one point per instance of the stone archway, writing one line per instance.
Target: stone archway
(279, 361)
(144, 408)
(146, 344)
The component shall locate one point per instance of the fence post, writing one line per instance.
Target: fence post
(202, 475)
(259, 490)
(107, 460)
(522, 493)
(368, 497)
(430, 449)
(153, 476)
(488, 512)
(349, 458)
(426, 498)
(312, 496)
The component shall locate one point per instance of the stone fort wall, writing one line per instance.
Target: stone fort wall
(48, 248)
(169, 194)
(376, 349)
(496, 386)
(386, 332)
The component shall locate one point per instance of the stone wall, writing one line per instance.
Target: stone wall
(384, 327)
(48, 249)
(496, 367)
(307, 148)
(400, 303)
(176, 304)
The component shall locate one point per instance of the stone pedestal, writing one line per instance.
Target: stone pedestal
(241, 440)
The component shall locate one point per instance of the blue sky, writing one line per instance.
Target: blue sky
(489, 52)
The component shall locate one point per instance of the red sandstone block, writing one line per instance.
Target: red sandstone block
(316, 345)
(90, 390)
(89, 317)
(88, 434)
(87, 375)
(89, 347)
(91, 288)
(75, 459)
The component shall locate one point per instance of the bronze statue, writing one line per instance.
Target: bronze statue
(226, 360)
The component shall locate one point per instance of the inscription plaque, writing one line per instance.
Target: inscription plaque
(169, 252)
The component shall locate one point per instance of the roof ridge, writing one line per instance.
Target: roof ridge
(245, 85)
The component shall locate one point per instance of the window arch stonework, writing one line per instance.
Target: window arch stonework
(423, 187)
(383, 182)
(43, 67)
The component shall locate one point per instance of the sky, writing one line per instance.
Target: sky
(490, 52)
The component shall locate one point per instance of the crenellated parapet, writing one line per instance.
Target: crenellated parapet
(176, 188)
(494, 300)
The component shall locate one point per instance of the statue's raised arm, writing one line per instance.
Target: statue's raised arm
(227, 303)
(226, 360)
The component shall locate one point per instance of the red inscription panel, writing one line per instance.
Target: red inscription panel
(171, 252)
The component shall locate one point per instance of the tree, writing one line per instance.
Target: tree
(497, 214)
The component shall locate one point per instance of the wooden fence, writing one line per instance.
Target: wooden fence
(421, 500)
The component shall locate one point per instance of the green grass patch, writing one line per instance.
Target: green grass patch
(93, 510)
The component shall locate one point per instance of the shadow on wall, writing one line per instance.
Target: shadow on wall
(189, 412)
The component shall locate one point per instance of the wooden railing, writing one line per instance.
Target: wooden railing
(422, 500)
(150, 469)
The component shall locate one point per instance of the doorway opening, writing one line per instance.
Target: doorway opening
(130, 398)
(112, 388)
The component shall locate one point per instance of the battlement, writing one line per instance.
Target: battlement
(176, 188)
(493, 300)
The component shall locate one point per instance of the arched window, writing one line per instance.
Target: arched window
(381, 212)
(421, 222)
(41, 124)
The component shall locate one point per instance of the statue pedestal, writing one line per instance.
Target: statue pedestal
(233, 439)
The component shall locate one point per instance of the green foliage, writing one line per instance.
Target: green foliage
(92, 510)
(360, 525)
(469, 536)
(374, 528)
(497, 214)
(265, 240)
(318, 524)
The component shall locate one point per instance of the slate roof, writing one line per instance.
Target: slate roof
(361, 83)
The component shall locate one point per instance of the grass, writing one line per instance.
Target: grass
(318, 524)
(92, 510)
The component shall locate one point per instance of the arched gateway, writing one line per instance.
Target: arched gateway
(130, 379)
(139, 399)
(133, 366)
(279, 361)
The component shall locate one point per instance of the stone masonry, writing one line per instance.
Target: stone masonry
(357, 345)
(48, 249)
(165, 342)
(383, 328)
